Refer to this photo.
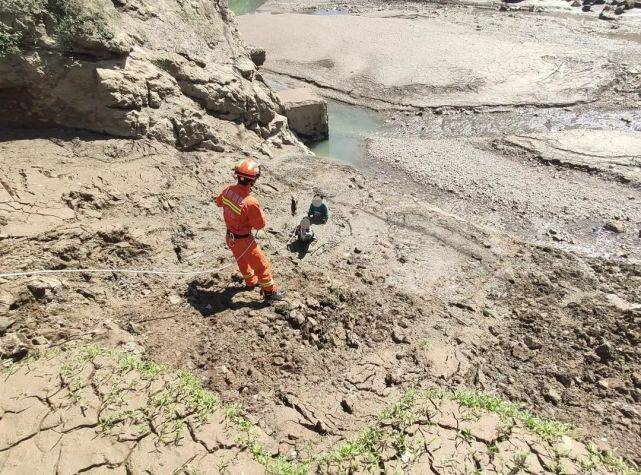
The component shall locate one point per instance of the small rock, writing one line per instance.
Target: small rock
(295, 319)
(636, 379)
(521, 352)
(607, 13)
(565, 379)
(627, 410)
(6, 299)
(39, 341)
(312, 303)
(604, 352)
(132, 347)
(258, 56)
(552, 396)
(532, 343)
(261, 331)
(393, 378)
(489, 313)
(617, 302)
(399, 337)
(614, 226)
(44, 288)
(357, 250)
(11, 346)
(352, 339)
(611, 383)
(174, 299)
(347, 406)
(5, 324)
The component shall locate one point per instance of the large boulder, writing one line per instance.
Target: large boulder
(306, 113)
(169, 70)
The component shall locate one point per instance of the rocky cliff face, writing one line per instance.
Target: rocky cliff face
(171, 70)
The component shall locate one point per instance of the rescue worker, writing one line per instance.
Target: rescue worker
(242, 214)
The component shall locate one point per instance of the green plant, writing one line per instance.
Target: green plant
(596, 459)
(67, 21)
(519, 462)
(82, 19)
(9, 41)
(548, 430)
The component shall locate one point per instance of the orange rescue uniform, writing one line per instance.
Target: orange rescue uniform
(242, 214)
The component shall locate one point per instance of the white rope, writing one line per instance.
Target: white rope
(124, 271)
(130, 271)
(115, 271)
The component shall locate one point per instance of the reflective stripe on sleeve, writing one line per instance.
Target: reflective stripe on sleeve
(231, 205)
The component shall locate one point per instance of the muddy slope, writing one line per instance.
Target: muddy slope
(394, 293)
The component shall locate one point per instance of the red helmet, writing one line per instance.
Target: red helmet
(247, 168)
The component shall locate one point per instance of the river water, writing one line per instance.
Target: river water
(243, 7)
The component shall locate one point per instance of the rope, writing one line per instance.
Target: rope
(114, 271)
(124, 271)
(131, 271)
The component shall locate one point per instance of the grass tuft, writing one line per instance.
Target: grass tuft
(548, 430)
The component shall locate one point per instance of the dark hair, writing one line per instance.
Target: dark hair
(319, 195)
(244, 181)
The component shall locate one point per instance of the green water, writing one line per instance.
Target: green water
(242, 7)
(349, 126)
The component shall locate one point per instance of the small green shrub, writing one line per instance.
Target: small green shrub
(68, 21)
(82, 19)
(9, 41)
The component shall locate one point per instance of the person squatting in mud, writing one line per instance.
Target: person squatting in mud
(242, 214)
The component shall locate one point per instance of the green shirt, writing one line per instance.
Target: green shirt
(322, 210)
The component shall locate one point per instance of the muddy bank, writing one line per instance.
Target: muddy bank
(375, 61)
(404, 287)
(395, 293)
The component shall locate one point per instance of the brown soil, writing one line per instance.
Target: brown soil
(394, 294)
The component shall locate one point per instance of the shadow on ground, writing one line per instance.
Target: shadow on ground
(211, 301)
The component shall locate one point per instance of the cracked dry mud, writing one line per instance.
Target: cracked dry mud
(141, 417)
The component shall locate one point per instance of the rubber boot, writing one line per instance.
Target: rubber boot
(274, 296)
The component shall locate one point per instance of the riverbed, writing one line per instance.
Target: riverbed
(451, 119)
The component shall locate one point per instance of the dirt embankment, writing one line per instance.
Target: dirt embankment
(394, 294)
(145, 417)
